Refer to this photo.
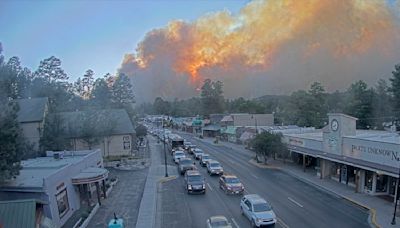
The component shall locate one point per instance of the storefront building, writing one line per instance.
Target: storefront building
(366, 160)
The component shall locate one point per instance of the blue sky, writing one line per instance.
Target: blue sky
(90, 34)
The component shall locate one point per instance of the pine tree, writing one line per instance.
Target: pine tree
(395, 90)
(50, 69)
(122, 91)
(13, 146)
(87, 83)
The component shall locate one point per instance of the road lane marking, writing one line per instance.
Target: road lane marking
(254, 176)
(234, 222)
(246, 192)
(209, 186)
(282, 223)
(295, 202)
(231, 161)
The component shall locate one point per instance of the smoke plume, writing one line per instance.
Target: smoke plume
(269, 47)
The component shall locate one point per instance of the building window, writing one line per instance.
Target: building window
(62, 202)
(381, 183)
(368, 180)
(127, 145)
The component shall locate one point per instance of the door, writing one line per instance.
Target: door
(248, 209)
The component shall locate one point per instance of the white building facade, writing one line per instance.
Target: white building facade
(65, 181)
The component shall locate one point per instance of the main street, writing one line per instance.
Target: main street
(296, 204)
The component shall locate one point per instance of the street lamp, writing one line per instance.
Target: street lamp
(165, 152)
(397, 199)
(255, 122)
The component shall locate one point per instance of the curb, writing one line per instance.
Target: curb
(92, 213)
(166, 179)
(263, 166)
(372, 212)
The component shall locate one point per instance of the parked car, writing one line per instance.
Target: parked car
(218, 222)
(185, 164)
(214, 167)
(231, 184)
(257, 210)
(178, 155)
(197, 153)
(204, 159)
(194, 182)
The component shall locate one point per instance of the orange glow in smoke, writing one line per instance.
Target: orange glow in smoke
(258, 33)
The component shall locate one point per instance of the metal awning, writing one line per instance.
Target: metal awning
(90, 175)
(378, 168)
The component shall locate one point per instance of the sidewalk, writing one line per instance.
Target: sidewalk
(381, 211)
(148, 205)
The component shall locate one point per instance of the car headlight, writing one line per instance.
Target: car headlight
(259, 220)
(190, 187)
(204, 186)
(229, 187)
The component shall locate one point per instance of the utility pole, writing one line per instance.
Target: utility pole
(397, 199)
(165, 152)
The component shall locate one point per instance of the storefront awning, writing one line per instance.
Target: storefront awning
(383, 169)
(90, 175)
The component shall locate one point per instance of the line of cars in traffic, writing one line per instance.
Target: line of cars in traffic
(194, 182)
(256, 209)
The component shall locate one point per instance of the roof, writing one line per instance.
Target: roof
(231, 130)
(116, 120)
(18, 213)
(255, 198)
(246, 136)
(227, 119)
(371, 135)
(218, 218)
(378, 136)
(35, 170)
(211, 127)
(31, 110)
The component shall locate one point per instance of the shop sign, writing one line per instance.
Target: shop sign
(296, 142)
(386, 156)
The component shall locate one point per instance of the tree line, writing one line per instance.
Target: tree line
(372, 105)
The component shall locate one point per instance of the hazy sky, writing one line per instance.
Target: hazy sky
(90, 34)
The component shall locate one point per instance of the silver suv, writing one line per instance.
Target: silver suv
(214, 167)
(257, 210)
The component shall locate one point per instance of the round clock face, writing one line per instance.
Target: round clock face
(334, 125)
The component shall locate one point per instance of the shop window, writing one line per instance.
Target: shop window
(381, 183)
(335, 172)
(62, 202)
(127, 145)
(368, 180)
(351, 174)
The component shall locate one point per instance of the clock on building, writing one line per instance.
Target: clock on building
(334, 125)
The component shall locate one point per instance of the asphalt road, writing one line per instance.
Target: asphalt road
(296, 204)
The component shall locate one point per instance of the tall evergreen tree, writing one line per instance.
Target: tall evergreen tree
(382, 111)
(50, 69)
(54, 134)
(395, 91)
(212, 97)
(13, 145)
(359, 104)
(101, 95)
(122, 91)
(87, 84)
